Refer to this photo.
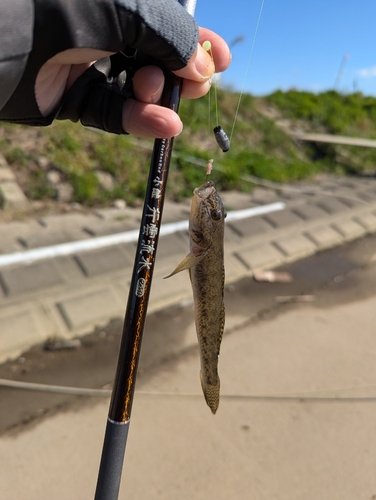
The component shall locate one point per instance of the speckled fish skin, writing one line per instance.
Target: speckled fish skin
(206, 268)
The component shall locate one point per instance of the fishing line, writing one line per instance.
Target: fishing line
(207, 46)
(221, 137)
(317, 395)
(209, 108)
(215, 99)
(219, 134)
(247, 68)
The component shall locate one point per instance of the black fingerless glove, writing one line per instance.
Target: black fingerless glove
(161, 29)
(96, 98)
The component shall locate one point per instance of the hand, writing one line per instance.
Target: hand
(142, 116)
(91, 62)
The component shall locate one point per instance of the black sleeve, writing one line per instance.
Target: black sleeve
(16, 29)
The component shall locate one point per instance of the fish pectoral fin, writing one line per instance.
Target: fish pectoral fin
(192, 259)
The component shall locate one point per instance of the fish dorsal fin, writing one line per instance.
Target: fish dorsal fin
(191, 260)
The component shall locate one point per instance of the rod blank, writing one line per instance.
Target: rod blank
(125, 380)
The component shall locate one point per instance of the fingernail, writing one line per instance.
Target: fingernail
(204, 63)
(180, 131)
(155, 97)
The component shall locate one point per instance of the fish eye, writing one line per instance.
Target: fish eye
(216, 215)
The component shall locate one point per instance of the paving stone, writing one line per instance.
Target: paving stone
(282, 219)
(13, 198)
(90, 308)
(358, 181)
(233, 200)
(232, 236)
(173, 212)
(64, 192)
(366, 180)
(104, 228)
(49, 237)
(127, 213)
(234, 268)
(346, 189)
(354, 193)
(287, 195)
(104, 260)
(9, 243)
(331, 205)
(184, 238)
(6, 174)
(170, 245)
(349, 229)
(310, 212)
(296, 246)
(347, 183)
(30, 277)
(249, 227)
(168, 291)
(368, 194)
(350, 200)
(324, 237)
(3, 162)
(263, 196)
(12, 234)
(368, 221)
(350, 197)
(70, 270)
(19, 329)
(66, 221)
(328, 183)
(260, 256)
(56, 229)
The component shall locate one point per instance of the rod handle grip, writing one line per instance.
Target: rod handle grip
(111, 466)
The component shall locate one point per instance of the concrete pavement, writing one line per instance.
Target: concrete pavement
(282, 432)
(69, 296)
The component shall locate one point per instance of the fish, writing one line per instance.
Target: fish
(205, 263)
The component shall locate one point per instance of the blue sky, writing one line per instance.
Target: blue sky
(300, 43)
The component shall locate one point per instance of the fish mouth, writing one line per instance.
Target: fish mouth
(204, 190)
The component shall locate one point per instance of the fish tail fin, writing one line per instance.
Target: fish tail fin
(211, 393)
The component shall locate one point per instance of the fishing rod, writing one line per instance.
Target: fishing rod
(119, 415)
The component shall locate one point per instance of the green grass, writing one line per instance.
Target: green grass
(337, 113)
(259, 147)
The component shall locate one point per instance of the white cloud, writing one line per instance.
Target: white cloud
(367, 72)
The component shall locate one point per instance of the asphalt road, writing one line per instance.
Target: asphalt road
(296, 418)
